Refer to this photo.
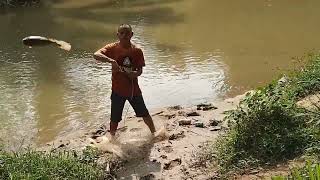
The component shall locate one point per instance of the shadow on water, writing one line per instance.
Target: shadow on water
(116, 12)
(116, 4)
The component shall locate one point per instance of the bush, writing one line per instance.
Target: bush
(265, 130)
(267, 127)
(306, 80)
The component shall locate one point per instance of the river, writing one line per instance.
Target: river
(195, 51)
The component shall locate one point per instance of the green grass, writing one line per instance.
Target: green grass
(308, 172)
(32, 165)
(268, 127)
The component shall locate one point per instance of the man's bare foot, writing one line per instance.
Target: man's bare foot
(159, 135)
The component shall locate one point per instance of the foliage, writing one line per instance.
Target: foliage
(308, 172)
(268, 127)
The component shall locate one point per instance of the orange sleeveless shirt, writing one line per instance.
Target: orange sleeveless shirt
(121, 84)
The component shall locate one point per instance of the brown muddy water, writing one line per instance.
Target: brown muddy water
(195, 51)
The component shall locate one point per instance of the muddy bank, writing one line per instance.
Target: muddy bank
(181, 133)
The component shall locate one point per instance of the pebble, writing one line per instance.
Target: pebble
(217, 128)
(184, 122)
(214, 122)
(148, 177)
(206, 107)
(199, 124)
(164, 156)
(177, 136)
(172, 163)
(194, 113)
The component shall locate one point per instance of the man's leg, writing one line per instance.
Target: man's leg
(149, 122)
(141, 110)
(113, 128)
(117, 104)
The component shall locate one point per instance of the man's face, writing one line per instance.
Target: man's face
(124, 34)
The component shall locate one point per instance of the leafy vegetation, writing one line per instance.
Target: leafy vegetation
(308, 172)
(268, 127)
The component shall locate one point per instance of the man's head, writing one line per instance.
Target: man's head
(124, 33)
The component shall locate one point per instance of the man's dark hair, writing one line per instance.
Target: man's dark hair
(125, 26)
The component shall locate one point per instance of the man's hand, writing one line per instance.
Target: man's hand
(134, 74)
(103, 58)
(115, 67)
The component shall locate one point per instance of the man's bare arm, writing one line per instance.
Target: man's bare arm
(99, 56)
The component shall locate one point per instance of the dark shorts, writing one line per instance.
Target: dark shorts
(117, 104)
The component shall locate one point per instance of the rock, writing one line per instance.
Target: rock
(216, 128)
(194, 113)
(171, 126)
(283, 81)
(198, 118)
(148, 177)
(311, 102)
(255, 171)
(170, 115)
(199, 124)
(167, 149)
(206, 107)
(182, 113)
(184, 122)
(61, 145)
(177, 136)
(157, 113)
(169, 165)
(209, 108)
(214, 122)
(102, 130)
(164, 156)
(177, 107)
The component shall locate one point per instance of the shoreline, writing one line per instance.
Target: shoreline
(217, 113)
(184, 132)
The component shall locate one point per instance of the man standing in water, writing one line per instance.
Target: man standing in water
(127, 62)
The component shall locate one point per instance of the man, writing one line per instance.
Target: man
(127, 62)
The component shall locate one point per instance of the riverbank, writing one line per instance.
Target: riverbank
(273, 126)
(183, 132)
(263, 136)
(260, 134)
